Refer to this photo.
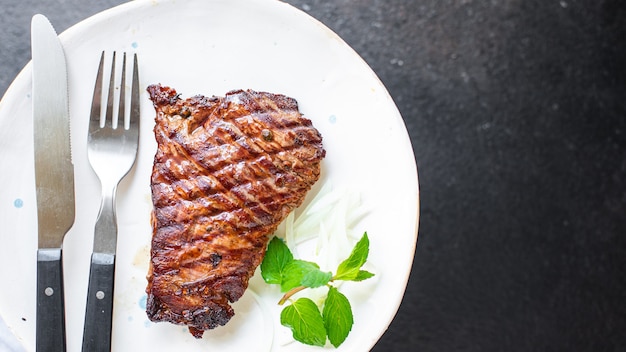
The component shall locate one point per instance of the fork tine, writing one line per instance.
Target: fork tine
(94, 119)
(134, 101)
(108, 118)
(121, 122)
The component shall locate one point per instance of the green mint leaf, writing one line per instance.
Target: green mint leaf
(349, 269)
(316, 278)
(363, 275)
(337, 316)
(305, 321)
(277, 257)
(302, 273)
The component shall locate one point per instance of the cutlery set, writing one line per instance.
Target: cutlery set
(111, 149)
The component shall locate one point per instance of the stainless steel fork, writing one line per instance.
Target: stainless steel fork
(112, 152)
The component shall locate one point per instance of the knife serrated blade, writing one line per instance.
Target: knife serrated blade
(54, 178)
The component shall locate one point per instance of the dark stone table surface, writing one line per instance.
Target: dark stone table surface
(517, 114)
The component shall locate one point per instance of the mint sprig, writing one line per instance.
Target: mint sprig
(305, 321)
(350, 269)
(337, 316)
(277, 257)
(302, 273)
(308, 324)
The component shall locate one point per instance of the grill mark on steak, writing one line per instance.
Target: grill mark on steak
(226, 172)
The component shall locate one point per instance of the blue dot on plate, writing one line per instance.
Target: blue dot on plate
(332, 119)
(142, 302)
(18, 203)
(134, 45)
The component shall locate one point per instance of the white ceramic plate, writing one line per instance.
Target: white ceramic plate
(210, 47)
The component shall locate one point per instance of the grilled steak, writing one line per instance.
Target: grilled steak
(227, 171)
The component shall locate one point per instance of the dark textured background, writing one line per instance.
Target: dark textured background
(517, 114)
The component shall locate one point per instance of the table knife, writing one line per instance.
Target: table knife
(54, 179)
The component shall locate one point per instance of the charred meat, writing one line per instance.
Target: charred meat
(227, 171)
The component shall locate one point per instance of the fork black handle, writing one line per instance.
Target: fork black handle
(99, 311)
(50, 325)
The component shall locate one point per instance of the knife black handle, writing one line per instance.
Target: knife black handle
(50, 326)
(99, 311)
